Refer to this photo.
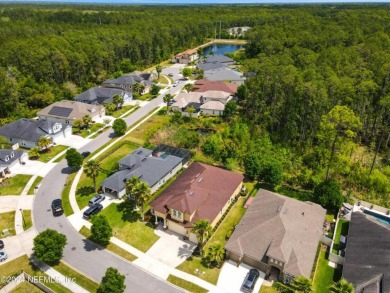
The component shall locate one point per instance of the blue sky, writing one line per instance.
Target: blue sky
(200, 1)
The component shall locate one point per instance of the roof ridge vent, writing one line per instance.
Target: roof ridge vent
(191, 192)
(197, 175)
(279, 208)
(200, 179)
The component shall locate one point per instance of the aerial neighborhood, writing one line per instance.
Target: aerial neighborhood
(221, 166)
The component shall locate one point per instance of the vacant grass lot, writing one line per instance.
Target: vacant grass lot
(126, 226)
(8, 222)
(149, 127)
(191, 287)
(54, 151)
(27, 219)
(324, 274)
(14, 185)
(26, 287)
(35, 183)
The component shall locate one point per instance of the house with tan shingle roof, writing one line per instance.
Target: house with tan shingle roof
(278, 235)
(200, 192)
(186, 57)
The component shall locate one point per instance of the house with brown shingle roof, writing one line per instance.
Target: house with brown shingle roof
(200, 192)
(186, 57)
(278, 235)
(204, 85)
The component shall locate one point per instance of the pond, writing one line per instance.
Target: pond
(221, 49)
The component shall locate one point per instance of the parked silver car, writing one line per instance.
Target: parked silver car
(3, 256)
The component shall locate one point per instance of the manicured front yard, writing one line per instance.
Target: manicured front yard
(35, 183)
(8, 222)
(195, 266)
(191, 287)
(126, 226)
(342, 229)
(54, 151)
(85, 132)
(264, 289)
(122, 111)
(27, 219)
(14, 185)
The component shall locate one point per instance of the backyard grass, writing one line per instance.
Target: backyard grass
(126, 226)
(80, 279)
(54, 151)
(16, 266)
(302, 195)
(65, 195)
(324, 274)
(111, 246)
(342, 229)
(8, 222)
(85, 132)
(149, 127)
(27, 219)
(26, 287)
(14, 185)
(35, 183)
(191, 287)
(265, 289)
(122, 111)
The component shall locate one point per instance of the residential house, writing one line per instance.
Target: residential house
(200, 192)
(9, 159)
(186, 57)
(26, 132)
(102, 95)
(152, 167)
(67, 111)
(127, 82)
(225, 74)
(367, 255)
(204, 85)
(278, 235)
(185, 100)
(215, 62)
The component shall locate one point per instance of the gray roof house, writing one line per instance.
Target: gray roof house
(26, 132)
(126, 82)
(10, 158)
(278, 235)
(225, 74)
(215, 62)
(367, 255)
(102, 95)
(154, 168)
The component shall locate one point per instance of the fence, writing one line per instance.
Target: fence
(23, 277)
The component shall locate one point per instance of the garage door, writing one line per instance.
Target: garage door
(176, 228)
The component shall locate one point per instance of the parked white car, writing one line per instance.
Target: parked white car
(3, 256)
(175, 83)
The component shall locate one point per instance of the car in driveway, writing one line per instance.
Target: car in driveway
(56, 207)
(3, 256)
(96, 199)
(170, 74)
(92, 211)
(250, 281)
(1, 244)
(176, 83)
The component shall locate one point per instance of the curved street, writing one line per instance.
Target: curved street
(79, 252)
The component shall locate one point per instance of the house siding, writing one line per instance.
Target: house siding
(226, 206)
(211, 112)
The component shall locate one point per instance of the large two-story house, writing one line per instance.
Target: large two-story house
(186, 57)
(126, 82)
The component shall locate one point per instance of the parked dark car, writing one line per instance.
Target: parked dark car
(56, 207)
(250, 280)
(1, 244)
(170, 74)
(96, 199)
(85, 154)
(92, 211)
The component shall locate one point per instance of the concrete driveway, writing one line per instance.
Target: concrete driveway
(74, 141)
(10, 203)
(13, 248)
(231, 277)
(170, 249)
(33, 168)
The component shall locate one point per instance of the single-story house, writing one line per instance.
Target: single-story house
(278, 235)
(215, 62)
(152, 167)
(127, 81)
(67, 111)
(186, 57)
(200, 192)
(367, 255)
(102, 95)
(204, 85)
(26, 132)
(185, 100)
(225, 74)
(9, 159)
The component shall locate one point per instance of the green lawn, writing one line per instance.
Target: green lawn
(26, 287)
(80, 279)
(47, 156)
(195, 266)
(85, 190)
(65, 195)
(22, 263)
(145, 97)
(111, 246)
(342, 229)
(8, 222)
(191, 287)
(126, 226)
(265, 289)
(35, 183)
(85, 132)
(14, 185)
(149, 127)
(27, 219)
(122, 111)
(324, 274)
(302, 195)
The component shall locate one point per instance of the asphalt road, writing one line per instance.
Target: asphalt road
(79, 252)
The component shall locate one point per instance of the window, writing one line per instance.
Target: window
(12, 154)
(6, 158)
(177, 214)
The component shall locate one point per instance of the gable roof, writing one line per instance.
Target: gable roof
(367, 256)
(223, 73)
(130, 79)
(201, 189)
(100, 94)
(213, 94)
(282, 228)
(214, 62)
(183, 99)
(213, 105)
(141, 163)
(7, 156)
(69, 110)
(204, 85)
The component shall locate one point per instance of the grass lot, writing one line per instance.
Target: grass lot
(80, 279)
(8, 222)
(191, 287)
(35, 183)
(23, 264)
(126, 226)
(26, 287)
(85, 189)
(65, 195)
(122, 111)
(145, 97)
(27, 219)
(149, 127)
(85, 132)
(324, 274)
(47, 156)
(192, 264)
(14, 185)
(265, 289)
(342, 229)
(112, 247)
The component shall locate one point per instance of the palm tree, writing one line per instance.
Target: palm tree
(342, 286)
(189, 87)
(118, 101)
(142, 193)
(34, 152)
(78, 123)
(158, 69)
(87, 119)
(190, 110)
(92, 170)
(216, 253)
(203, 230)
(44, 142)
(301, 285)
(136, 87)
(167, 98)
(131, 183)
